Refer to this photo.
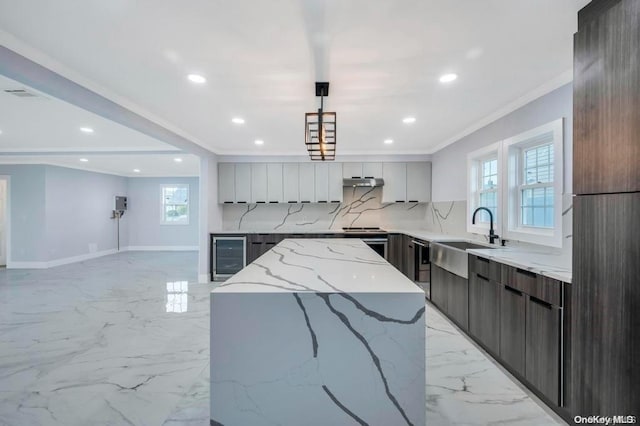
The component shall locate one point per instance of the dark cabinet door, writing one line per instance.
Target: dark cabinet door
(409, 254)
(606, 105)
(484, 311)
(395, 251)
(543, 347)
(439, 293)
(512, 328)
(458, 303)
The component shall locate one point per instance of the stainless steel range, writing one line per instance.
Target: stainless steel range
(374, 237)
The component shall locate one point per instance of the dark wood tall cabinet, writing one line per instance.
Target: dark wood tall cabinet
(605, 318)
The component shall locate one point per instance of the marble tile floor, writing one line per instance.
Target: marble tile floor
(123, 340)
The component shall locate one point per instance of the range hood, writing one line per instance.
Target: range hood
(364, 182)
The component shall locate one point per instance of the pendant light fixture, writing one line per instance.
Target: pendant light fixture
(320, 129)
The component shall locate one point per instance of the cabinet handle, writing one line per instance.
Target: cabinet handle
(228, 202)
(482, 277)
(513, 290)
(335, 201)
(413, 201)
(541, 302)
(274, 202)
(368, 177)
(241, 202)
(482, 259)
(525, 272)
(259, 202)
(321, 201)
(420, 244)
(399, 201)
(355, 177)
(291, 202)
(305, 202)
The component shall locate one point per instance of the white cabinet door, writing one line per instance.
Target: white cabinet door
(351, 170)
(418, 182)
(395, 182)
(258, 182)
(335, 183)
(322, 182)
(373, 170)
(307, 182)
(291, 182)
(243, 182)
(226, 183)
(274, 183)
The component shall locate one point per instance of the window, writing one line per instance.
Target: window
(528, 194)
(175, 204)
(484, 187)
(533, 191)
(536, 189)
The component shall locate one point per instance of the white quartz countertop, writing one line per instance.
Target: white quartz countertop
(539, 261)
(319, 265)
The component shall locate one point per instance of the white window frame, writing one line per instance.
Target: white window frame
(474, 162)
(513, 149)
(162, 204)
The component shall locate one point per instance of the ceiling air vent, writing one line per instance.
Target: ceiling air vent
(21, 93)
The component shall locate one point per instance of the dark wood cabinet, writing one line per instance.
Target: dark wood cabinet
(605, 323)
(606, 100)
(542, 346)
(409, 257)
(395, 246)
(450, 293)
(484, 311)
(512, 328)
(439, 293)
(259, 244)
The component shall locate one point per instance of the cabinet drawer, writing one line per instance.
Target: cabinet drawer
(538, 286)
(484, 267)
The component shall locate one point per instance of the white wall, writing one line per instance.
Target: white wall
(143, 215)
(449, 176)
(78, 212)
(210, 212)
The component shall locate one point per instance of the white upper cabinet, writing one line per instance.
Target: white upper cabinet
(307, 182)
(418, 182)
(243, 182)
(373, 170)
(274, 183)
(291, 182)
(322, 182)
(226, 183)
(336, 189)
(361, 170)
(395, 182)
(258, 182)
(351, 170)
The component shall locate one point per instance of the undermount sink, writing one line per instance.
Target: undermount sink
(463, 245)
(452, 256)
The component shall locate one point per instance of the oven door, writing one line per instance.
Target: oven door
(379, 245)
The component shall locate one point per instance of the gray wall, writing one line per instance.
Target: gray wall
(143, 217)
(450, 163)
(27, 212)
(78, 212)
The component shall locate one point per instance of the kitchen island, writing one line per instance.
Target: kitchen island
(318, 332)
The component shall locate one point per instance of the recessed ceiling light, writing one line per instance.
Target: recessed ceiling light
(178, 160)
(84, 160)
(259, 142)
(136, 170)
(86, 129)
(448, 78)
(237, 120)
(388, 141)
(196, 78)
(409, 120)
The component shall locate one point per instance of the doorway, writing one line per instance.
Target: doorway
(4, 226)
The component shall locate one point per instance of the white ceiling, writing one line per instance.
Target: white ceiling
(383, 59)
(150, 165)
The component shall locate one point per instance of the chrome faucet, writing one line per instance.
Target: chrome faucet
(492, 234)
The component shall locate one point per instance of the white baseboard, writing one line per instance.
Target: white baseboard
(160, 248)
(204, 278)
(27, 265)
(59, 262)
